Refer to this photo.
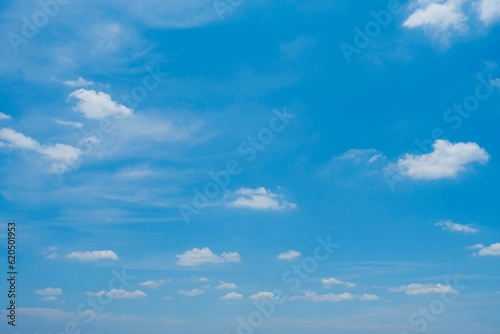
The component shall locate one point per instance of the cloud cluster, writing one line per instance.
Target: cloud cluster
(260, 199)
(331, 297)
(328, 282)
(491, 250)
(119, 294)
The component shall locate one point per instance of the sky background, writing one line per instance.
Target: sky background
(186, 166)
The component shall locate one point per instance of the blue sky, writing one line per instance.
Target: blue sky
(251, 167)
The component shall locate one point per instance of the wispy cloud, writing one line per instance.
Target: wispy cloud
(232, 296)
(448, 225)
(89, 256)
(191, 293)
(416, 289)
(259, 199)
(80, 82)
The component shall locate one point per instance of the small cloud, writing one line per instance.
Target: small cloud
(297, 47)
(415, 289)
(368, 297)
(4, 116)
(155, 284)
(263, 295)
(231, 296)
(329, 297)
(328, 282)
(368, 155)
(77, 125)
(118, 294)
(448, 225)
(446, 161)
(489, 11)
(191, 293)
(225, 285)
(491, 250)
(289, 255)
(89, 256)
(196, 257)
(49, 292)
(50, 298)
(80, 82)
(97, 105)
(259, 199)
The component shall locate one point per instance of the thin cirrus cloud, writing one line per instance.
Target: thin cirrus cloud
(49, 292)
(259, 199)
(61, 156)
(80, 82)
(289, 255)
(491, 250)
(232, 296)
(119, 294)
(415, 289)
(197, 257)
(77, 125)
(446, 161)
(98, 105)
(90, 256)
(450, 226)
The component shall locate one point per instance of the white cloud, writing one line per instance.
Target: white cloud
(225, 285)
(327, 282)
(289, 255)
(446, 161)
(489, 11)
(448, 225)
(438, 18)
(62, 156)
(262, 295)
(196, 257)
(154, 284)
(88, 256)
(260, 199)
(49, 292)
(50, 298)
(329, 297)
(80, 82)
(368, 297)
(415, 289)
(123, 294)
(232, 296)
(369, 155)
(4, 116)
(191, 293)
(77, 125)
(491, 250)
(97, 105)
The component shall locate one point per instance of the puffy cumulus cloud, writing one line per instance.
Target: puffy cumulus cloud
(232, 296)
(491, 250)
(61, 156)
(489, 11)
(226, 285)
(446, 161)
(49, 292)
(448, 225)
(191, 293)
(437, 17)
(289, 255)
(89, 256)
(328, 282)
(98, 105)
(259, 199)
(263, 295)
(155, 284)
(415, 289)
(119, 294)
(197, 256)
(80, 82)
